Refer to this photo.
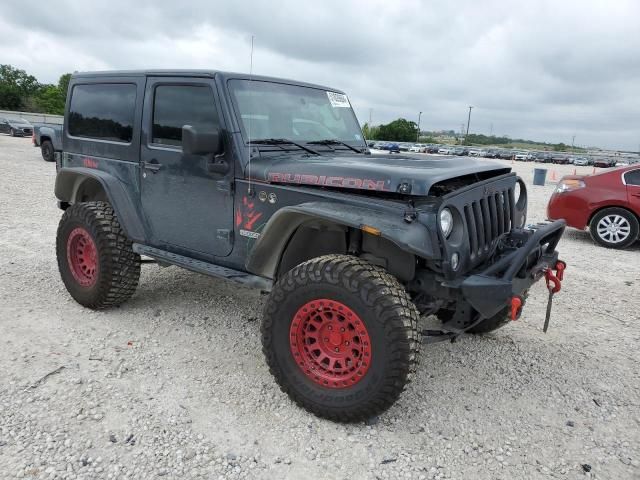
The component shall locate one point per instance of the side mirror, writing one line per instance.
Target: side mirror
(200, 143)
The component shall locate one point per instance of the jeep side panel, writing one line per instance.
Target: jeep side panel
(267, 221)
(80, 184)
(103, 169)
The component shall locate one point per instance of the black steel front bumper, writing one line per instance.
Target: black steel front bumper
(521, 260)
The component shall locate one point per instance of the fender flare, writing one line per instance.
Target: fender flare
(265, 256)
(69, 180)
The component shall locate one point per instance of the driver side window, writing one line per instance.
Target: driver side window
(177, 105)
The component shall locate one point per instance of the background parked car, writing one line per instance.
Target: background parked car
(506, 154)
(604, 162)
(477, 152)
(418, 148)
(581, 161)
(391, 147)
(608, 203)
(433, 148)
(48, 137)
(16, 127)
(522, 156)
(560, 158)
(543, 157)
(446, 150)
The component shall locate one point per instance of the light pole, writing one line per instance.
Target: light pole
(573, 139)
(418, 134)
(468, 122)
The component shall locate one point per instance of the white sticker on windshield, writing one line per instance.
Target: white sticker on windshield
(338, 100)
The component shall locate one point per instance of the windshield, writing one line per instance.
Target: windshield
(19, 121)
(302, 114)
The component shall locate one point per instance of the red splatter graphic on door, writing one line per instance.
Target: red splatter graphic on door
(246, 216)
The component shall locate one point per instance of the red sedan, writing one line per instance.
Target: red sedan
(608, 203)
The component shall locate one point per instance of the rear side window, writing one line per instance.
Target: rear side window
(175, 106)
(104, 111)
(632, 177)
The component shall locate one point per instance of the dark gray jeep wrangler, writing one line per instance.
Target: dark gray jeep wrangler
(269, 183)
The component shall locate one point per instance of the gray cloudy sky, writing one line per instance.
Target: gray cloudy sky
(542, 70)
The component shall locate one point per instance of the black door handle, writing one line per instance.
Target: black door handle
(153, 166)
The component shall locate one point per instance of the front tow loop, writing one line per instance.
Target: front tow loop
(554, 284)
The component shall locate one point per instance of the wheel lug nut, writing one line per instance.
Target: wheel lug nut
(342, 330)
(337, 349)
(346, 343)
(326, 340)
(330, 327)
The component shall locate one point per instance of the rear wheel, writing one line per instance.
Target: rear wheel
(614, 228)
(95, 258)
(47, 151)
(340, 336)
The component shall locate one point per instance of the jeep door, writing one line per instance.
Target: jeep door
(188, 208)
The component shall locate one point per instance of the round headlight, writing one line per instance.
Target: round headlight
(446, 221)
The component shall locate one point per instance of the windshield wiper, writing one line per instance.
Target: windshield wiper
(332, 141)
(281, 141)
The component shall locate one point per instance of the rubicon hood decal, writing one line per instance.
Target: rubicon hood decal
(345, 182)
(369, 172)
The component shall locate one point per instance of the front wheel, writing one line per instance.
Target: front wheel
(614, 228)
(340, 336)
(95, 258)
(12, 132)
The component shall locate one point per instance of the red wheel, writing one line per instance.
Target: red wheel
(96, 260)
(340, 337)
(82, 256)
(330, 343)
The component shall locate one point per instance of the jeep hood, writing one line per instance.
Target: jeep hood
(385, 172)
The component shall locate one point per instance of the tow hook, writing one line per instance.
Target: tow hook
(554, 284)
(516, 307)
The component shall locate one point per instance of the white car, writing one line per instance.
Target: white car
(477, 152)
(418, 148)
(446, 150)
(525, 156)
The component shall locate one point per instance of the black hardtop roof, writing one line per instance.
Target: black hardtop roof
(195, 73)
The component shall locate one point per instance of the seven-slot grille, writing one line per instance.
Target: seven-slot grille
(487, 219)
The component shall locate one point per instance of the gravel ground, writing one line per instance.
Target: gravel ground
(173, 383)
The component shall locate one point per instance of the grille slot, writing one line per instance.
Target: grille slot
(487, 219)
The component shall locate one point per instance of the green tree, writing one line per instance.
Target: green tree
(560, 147)
(50, 100)
(399, 130)
(25, 83)
(10, 98)
(370, 132)
(63, 85)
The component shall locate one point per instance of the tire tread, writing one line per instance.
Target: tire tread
(119, 280)
(385, 296)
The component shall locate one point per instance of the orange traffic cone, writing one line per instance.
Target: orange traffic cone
(553, 174)
(575, 171)
(594, 171)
